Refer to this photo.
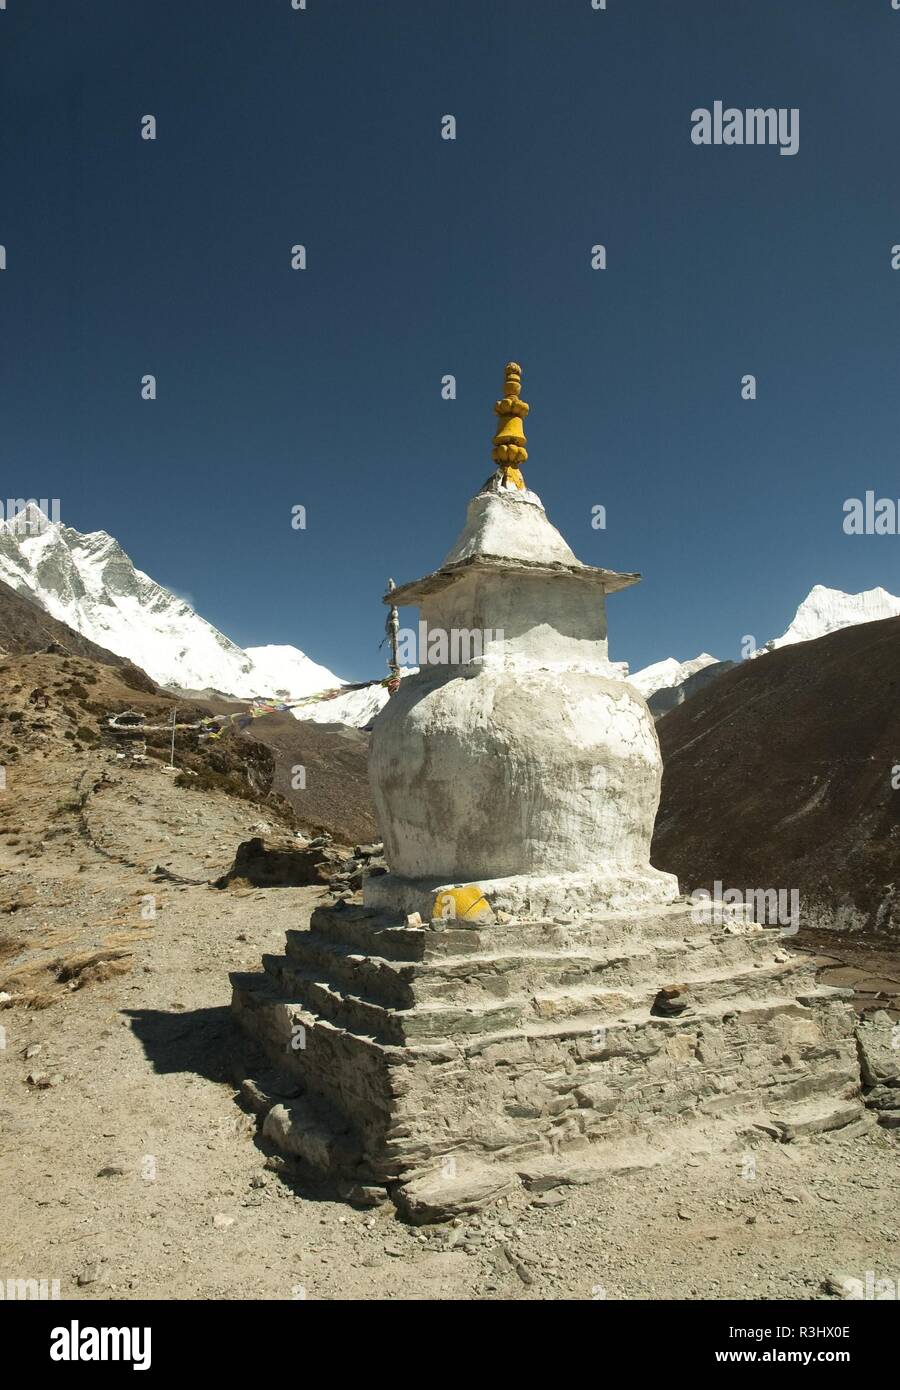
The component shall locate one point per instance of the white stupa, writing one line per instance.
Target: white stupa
(522, 762)
(522, 998)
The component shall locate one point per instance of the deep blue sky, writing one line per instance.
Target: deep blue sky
(427, 257)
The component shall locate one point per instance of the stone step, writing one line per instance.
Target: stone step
(345, 968)
(480, 977)
(369, 1017)
(371, 933)
(715, 987)
(276, 1014)
(750, 1008)
(432, 1196)
(605, 1007)
(679, 920)
(596, 1078)
(376, 933)
(356, 1013)
(470, 979)
(362, 1013)
(267, 1016)
(639, 1089)
(348, 1073)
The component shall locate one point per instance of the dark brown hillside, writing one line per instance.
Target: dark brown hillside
(336, 796)
(26, 627)
(38, 652)
(778, 775)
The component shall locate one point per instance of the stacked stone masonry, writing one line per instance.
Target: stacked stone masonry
(414, 1049)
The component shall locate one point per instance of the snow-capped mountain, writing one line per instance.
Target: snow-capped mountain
(666, 683)
(826, 610)
(88, 582)
(288, 671)
(666, 674)
(357, 707)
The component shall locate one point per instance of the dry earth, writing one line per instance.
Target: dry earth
(129, 1170)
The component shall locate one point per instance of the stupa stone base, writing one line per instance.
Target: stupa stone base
(559, 897)
(444, 1063)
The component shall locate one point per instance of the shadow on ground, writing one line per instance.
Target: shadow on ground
(186, 1040)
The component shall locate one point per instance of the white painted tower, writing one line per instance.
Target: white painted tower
(520, 760)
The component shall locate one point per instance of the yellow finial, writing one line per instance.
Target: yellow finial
(510, 441)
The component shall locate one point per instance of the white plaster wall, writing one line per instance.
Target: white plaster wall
(546, 623)
(485, 773)
(513, 525)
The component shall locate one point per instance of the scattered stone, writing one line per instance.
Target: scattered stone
(671, 1001)
(277, 862)
(260, 1095)
(364, 1195)
(435, 1197)
(879, 1054)
(843, 1286)
(522, 1271)
(298, 1130)
(884, 1098)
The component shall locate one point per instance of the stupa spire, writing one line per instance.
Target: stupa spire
(510, 441)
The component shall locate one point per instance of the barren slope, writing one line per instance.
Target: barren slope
(779, 775)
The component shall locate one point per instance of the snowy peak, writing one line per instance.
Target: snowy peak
(827, 610)
(28, 520)
(87, 581)
(666, 674)
(822, 611)
(357, 707)
(288, 672)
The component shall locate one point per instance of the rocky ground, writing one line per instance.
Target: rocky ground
(128, 1168)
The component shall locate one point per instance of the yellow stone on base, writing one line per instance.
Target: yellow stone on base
(467, 904)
